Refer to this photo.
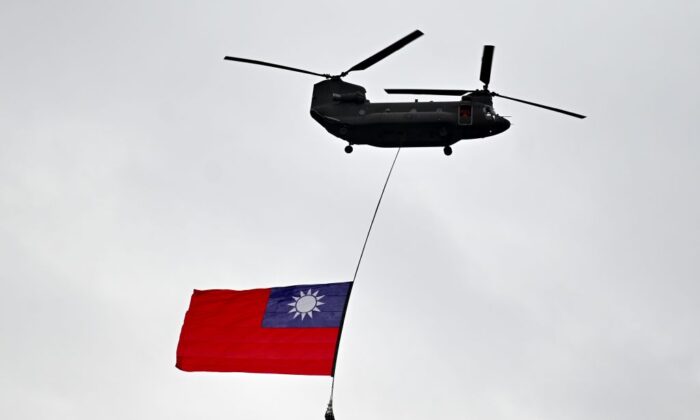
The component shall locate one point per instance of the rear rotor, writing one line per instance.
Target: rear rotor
(363, 65)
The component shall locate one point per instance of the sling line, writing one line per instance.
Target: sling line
(354, 277)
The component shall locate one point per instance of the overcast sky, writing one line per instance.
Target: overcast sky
(550, 272)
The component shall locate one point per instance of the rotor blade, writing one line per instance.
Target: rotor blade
(486, 61)
(447, 92)
(386, 51)
(573, 114)
(278, 66)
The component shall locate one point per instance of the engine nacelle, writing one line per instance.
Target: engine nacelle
(353, 97)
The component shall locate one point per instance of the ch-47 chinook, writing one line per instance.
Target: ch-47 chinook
(343, 109)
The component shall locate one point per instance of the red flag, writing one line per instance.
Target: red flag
(292, 330)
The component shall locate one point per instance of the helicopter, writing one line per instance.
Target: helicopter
(343, 109)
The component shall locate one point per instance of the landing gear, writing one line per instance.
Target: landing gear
(447, 150)
(348, 149)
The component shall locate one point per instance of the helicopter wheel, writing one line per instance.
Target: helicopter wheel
(447, 150)
(348, 149)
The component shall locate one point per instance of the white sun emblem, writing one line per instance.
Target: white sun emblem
(306, 304)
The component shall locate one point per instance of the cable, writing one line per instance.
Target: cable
(354, 277)
(375, 216)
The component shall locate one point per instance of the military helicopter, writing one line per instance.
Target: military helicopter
(343, 109)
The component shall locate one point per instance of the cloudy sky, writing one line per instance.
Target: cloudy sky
(550, 272)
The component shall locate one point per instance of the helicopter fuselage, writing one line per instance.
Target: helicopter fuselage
(343, 110)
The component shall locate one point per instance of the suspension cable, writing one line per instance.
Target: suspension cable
(354, 277)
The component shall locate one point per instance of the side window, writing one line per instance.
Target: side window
(465, 115)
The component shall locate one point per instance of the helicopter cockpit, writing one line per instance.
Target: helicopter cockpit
(489, 113)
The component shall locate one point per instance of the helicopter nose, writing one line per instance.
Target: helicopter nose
(503, 124)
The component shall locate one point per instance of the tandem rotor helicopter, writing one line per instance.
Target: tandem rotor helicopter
(343, 109)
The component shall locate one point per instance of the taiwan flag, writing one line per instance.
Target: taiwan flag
(292, 330)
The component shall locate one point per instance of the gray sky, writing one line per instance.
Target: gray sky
(546, 273)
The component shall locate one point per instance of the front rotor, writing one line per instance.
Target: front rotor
(485, 77)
